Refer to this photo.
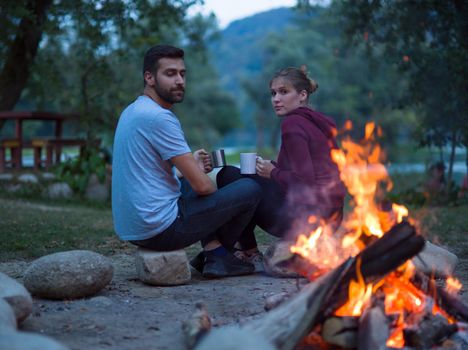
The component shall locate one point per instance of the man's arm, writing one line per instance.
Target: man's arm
(189, 168)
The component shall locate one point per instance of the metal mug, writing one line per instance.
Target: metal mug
(218, 159)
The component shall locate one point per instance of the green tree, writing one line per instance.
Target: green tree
(90, 56)
(428, 41)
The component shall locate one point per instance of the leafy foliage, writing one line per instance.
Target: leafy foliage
(77, 171)
(427, 42)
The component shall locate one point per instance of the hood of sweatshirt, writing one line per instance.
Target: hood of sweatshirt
(321, 121)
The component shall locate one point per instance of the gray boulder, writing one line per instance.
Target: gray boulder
(68, 275)
(58, 190)
(28, 341)
(6, 177)
(17, 296)
(28, 178)
(95, 190)
(435, 260)
(7, 316)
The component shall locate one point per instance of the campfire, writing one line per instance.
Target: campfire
(364, 291)
(399, 307)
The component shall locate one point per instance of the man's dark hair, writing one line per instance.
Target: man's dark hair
(154, 54)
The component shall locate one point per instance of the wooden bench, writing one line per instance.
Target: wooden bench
(52, 146)
(14, 145)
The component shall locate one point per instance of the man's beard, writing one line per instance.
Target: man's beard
(171, 96)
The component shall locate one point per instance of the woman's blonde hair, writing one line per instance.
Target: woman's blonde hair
(299, 79)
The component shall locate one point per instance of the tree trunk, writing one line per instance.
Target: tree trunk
(22, 52)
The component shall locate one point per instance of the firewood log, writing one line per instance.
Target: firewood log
(450, 303)
(287, 324)
(430, 331)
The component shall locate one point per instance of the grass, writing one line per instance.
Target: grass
(31, 229)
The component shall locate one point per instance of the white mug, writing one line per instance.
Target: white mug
(247, 163)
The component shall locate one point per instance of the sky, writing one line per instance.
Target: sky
(230, 10)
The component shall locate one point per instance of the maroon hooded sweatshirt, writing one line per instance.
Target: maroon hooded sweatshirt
(304, 169)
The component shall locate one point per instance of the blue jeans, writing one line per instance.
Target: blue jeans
(274, 213)
(222, 215)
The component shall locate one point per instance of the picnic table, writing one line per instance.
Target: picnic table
(51, 145)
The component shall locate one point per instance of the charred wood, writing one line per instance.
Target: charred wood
(430, 331)
(450, 303)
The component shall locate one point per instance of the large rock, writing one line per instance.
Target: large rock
(28, 341)
(17, 296)
(68, 275)
(162, 268)
(28, 178)
(7, 316)
(58, 190)
(435, 260)
(95, 190)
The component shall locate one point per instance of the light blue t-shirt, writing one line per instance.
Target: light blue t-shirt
(145, 188)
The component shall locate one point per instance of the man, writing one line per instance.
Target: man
(154, 209)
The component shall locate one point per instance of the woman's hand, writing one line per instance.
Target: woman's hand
(264, 167)
(203, 160)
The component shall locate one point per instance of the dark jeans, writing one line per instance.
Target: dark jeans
(273, 213)
(221, 215)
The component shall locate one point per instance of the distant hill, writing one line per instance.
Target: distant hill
(238, 51)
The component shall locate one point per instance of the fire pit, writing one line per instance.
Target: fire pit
(364, 292)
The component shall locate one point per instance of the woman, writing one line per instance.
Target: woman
(304, 180)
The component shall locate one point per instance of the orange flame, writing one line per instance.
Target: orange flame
(358, 297)
(366, 179)
(453, 285)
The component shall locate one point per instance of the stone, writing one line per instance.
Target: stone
(58, 190)
(28, 341)
(233, 338)
(28, 178)
(48, 176)
(96, 191)
(7, 316)
(15, 294)
(162, 268)
(435, 260)
(68, 275)
(278, 260)
(6, 177)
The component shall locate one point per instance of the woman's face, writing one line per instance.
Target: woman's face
(284, 96)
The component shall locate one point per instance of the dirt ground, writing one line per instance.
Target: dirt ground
(131, 315)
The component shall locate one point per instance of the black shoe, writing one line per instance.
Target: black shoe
(198, 262)
(225, 266)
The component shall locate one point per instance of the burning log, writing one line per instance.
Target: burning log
(341, 331)
(287, 324)
(293, 319)
(429, 331)
(449, 302)
(379, 258)
(373, 329)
